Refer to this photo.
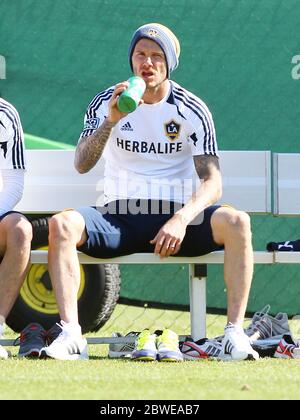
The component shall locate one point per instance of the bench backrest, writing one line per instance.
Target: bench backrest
(286, 182)
(52, 184)
(247, 180)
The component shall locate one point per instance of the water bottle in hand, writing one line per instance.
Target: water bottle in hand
(129, 99)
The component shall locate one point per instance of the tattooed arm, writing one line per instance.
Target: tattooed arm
(210, 190)
(89, 149)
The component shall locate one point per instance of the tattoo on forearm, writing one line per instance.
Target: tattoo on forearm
(90, 149)
(205, 165)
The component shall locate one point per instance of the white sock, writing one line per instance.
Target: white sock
(72, 328)
(237, 328)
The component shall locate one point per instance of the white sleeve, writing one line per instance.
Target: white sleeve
(203, 136)
(96, 112)
(12, 147)
(11, 188)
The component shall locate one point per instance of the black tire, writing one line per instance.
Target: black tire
(40, 230)
(97, 303)
(98, 294)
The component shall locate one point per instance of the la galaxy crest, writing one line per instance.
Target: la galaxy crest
(172, 129)
(152, 32)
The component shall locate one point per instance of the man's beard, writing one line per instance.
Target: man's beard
(156, 86)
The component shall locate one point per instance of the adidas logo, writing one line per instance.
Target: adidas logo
(126, 127)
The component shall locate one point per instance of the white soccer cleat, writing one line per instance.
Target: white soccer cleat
(237, 345)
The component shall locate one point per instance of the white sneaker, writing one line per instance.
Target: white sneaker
(123, 349)
(3, 353)
(203, 349)
(69, 345)
(237, 345)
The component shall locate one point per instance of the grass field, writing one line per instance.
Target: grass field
(104, 379)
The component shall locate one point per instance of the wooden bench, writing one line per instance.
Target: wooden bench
(52, 184)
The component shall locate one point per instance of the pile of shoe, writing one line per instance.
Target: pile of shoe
(161, 345)
(33, 338)
(266, 336)
(266, 327)
(233, 346)
(57, 343)
(271, 336)
(267, 332)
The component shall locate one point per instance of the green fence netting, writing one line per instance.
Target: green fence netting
(237, 55)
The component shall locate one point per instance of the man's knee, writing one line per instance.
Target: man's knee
(229, 221)
(65, 226)
(241, 221)
(18, 230)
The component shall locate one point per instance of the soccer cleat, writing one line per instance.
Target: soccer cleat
(3, 353)
(202, 349)
(236, 344)
(145, 347)
(69, 345)
(266, 327)
(168, 347)
(288, 348)
(32, 340)
(124, 349)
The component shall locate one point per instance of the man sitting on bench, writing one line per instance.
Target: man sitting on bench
(15, 229)
(151, 155)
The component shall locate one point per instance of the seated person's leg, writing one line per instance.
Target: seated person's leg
(15, 244)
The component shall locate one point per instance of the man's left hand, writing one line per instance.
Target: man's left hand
(169, 238)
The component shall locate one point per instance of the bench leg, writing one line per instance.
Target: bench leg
(6, 342)
(197, 284)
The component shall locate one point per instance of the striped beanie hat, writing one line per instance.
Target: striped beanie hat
(164, 37)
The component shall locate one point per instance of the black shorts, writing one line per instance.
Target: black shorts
(119, 229)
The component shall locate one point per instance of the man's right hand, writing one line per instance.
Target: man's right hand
(114, 114)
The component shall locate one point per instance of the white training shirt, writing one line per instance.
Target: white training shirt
(12, 157)
(150, 151)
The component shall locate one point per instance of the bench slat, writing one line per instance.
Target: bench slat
(286, 181)
(287, 257)
(217, 257)
(56, 185)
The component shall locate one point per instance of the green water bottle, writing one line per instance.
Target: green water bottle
(129, 99)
